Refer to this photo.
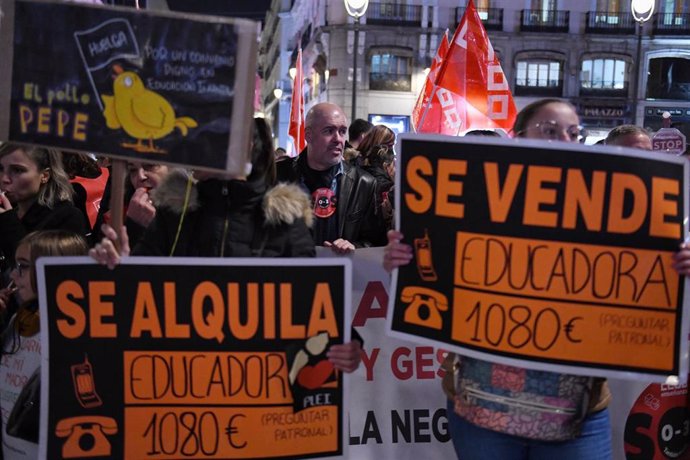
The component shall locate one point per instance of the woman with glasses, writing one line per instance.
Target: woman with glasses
(21, 347)
(511, 413)
(549, 119)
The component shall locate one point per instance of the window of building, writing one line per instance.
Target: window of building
(669, 78)
(609, 6)
(547, 5)
(608, 11)
(482, 9)
(672, 12)
(603, 74)
(538, 73)
(674, 6)
(390, 72)
(539, 77)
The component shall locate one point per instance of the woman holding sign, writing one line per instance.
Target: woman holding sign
(506, 412)
(20, 370)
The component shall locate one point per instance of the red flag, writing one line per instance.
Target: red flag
(296, 127)
(433, 119)
(471, 89)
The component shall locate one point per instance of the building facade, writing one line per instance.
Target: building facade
(590, 52)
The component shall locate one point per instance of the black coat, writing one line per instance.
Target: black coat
(358, 219)
(228, 219)
(63, 216)
(383, 180)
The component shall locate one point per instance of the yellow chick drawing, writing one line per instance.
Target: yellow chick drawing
(141, 113)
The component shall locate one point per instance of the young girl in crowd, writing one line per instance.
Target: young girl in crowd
(488, 419)
(21, 344)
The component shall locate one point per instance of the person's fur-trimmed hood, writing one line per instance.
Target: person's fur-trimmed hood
(170, 193)
(284, 203)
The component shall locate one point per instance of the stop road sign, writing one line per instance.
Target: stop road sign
(669, 140)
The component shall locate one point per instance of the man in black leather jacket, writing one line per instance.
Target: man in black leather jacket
(343, 196)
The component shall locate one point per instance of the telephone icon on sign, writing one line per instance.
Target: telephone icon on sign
(425, 265)
(84, 385)
(424, 306)
(86, 436)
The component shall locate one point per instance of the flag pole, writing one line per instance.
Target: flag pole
(427, 106)
(439, 75)
(435, 87)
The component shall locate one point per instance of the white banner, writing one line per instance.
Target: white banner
(397, 406)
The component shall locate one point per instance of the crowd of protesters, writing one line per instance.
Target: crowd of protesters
(337, 193)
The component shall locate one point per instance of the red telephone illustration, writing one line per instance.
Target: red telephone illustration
(84, 385)
(425, 306)
(86, 436)
(425, 265)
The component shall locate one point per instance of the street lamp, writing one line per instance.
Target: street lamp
(356, 9)
(642, 11)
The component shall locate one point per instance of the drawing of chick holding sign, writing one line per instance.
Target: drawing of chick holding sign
(141, 113)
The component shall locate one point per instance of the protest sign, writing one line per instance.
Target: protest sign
(155, 87)
(649, 421)
(199, 358)
(669, 140)
(548, 256)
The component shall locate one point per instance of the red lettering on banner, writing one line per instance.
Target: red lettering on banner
(440, 357)
(423, 363)
(369, 361)
(375, 290)
(405, 369)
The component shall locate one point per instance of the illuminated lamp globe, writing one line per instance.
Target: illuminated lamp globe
(356, 8)
(642, 10)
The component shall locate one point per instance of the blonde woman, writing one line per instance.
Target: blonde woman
(35, 194)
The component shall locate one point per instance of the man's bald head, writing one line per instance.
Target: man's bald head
(325, 130)
(319, 110)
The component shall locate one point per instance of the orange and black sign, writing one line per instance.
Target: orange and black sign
(552, 256)
(167, 358)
